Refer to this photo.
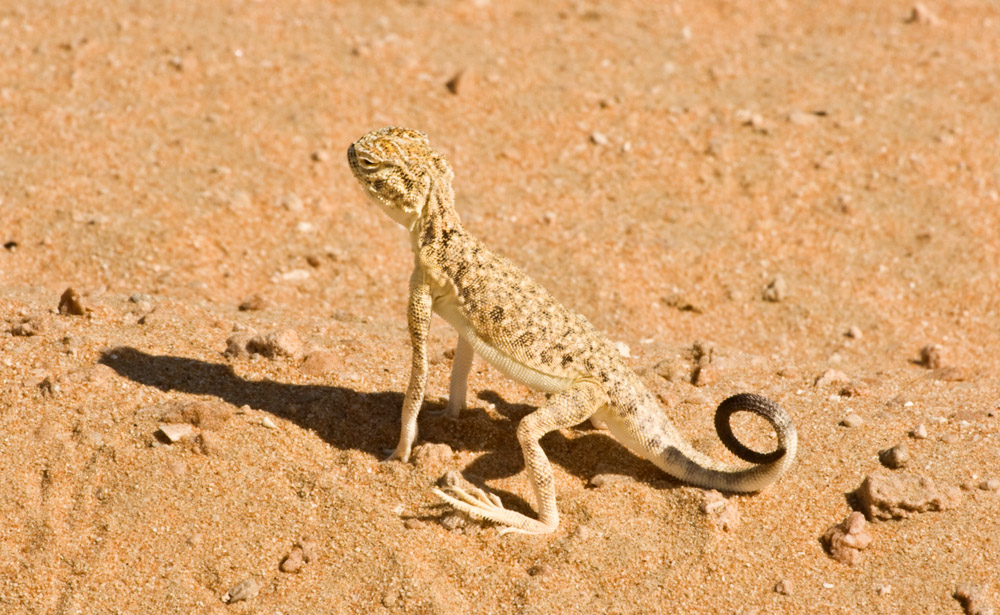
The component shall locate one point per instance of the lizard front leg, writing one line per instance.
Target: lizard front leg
(418, 320)
(564, 409)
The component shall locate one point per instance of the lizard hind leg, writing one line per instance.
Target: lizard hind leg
(564, 409)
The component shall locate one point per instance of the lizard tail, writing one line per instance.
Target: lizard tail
(681, 460)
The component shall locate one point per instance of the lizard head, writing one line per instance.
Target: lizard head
(398, 169)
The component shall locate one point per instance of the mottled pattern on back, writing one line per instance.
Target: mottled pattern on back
(514, 313)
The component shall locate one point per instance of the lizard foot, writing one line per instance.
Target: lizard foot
(451, 410)
(487, 507)
(396, 454)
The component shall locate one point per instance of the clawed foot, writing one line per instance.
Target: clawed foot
(452, 410)
(399, 453)
(484, 506)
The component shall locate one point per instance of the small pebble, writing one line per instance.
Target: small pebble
(831, 376)
(922, 15)
(972, 600)
(244, 590)
(776, 290)
(784, 587)
(413, 524)
(540, 570)
(26, 328)
(602, 480)
(919, 432)
(455, 82)
(673, 370)
(802, 118)
(267, 422)
(883, 589)
(71, 304)
(854, 333)
(845, 540)
(930, 356)
(722, 511)
(582, 532)
(598, 138)
(254, 303)
(175, 432)
(992, 484)
(319, 363)
(291, 202)
(273, 345)
(896, 457)
(453, 521)
(320, 156)
(293, 561)
(852, 420)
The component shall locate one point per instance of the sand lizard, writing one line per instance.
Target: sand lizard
(508, 319)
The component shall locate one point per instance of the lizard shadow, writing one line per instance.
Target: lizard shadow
(369, 422)
(343, 417)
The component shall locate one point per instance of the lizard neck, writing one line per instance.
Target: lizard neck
(439, 220)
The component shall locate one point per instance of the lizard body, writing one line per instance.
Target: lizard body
(508, 319)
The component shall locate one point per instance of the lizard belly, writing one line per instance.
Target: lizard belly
(448, 309)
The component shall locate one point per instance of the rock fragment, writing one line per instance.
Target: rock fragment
(236, 346)
(71, 304)
(852, 420)
(275, 345)
(598, 138)
(992, 484)
(722, 512)
(292, 562)
(896, 457)
(919, 432)
(930, 356)
(26, 327)
(432, 456)
(900, 495)
(674, 369)
(456, 80)
(204, 414)
(175, 432)
(802, 118)
(776, 290)
(922, 15)
(601, 480)
(972, 600)
(845, 540)
(303, 552)
(783, 587)
(831, 376)
(254, 303)
(244, 590)
(292, 202)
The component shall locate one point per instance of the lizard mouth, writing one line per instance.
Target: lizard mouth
(352, 158)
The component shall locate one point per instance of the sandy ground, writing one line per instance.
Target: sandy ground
(655, 165)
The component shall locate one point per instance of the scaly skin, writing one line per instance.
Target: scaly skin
(505, 317)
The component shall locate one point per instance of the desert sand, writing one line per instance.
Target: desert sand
(809, 190)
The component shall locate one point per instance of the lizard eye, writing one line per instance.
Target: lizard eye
(367, 163)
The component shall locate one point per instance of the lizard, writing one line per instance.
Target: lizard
(508, 319)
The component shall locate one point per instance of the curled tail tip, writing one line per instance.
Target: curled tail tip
(761, 406)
